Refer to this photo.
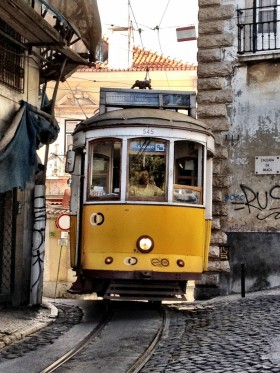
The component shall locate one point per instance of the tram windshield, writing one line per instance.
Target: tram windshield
(147, 162)
(149, 170)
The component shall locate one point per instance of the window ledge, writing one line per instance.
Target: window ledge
(259, 56)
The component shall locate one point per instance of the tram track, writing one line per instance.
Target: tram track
(142, 360)
(82, 344)
(112, 317)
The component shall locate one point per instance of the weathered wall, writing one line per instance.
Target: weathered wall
(238, 98)
(9, 104)
(58, 275)
(254, 198)
(259, 253)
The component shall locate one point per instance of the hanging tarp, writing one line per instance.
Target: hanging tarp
(84, 16)
(18, 158)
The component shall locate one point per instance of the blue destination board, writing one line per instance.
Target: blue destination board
(176, 100)
(131, 98)
(110, 97)
(152, 147)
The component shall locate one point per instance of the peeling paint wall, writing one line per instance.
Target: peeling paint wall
(255, 125)
(238, 96)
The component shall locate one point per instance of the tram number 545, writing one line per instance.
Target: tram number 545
(148, 131)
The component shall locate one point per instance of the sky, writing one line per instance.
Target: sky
(158, 20)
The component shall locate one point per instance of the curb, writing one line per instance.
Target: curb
(27, 330)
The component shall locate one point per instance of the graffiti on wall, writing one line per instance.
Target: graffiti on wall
(38, 245)
(265, 204)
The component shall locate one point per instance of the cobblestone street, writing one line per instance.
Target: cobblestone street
(225, 334)
(241, 335)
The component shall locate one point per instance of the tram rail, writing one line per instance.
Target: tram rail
(138, 364)
(82, 344)
(147, 354)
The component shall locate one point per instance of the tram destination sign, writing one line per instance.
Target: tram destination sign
(146, 98)
(267, 164)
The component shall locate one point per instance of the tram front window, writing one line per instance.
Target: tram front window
(188, 171)
(104, 170)
(147, 169)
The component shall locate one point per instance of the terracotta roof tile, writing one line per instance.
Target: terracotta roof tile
(143, 59)
(55, 209)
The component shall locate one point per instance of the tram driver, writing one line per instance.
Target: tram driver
(144, 187)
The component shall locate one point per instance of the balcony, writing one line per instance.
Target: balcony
(259, 30)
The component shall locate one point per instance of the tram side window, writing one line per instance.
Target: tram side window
(104, 170)
(187, 172)
(147, 169)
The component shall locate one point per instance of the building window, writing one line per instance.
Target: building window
(69, 128)
(11, 58)
(258, 27)
(267, 17)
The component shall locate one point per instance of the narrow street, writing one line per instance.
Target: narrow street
(226, 334)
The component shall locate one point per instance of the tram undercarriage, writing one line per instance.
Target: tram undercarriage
(138, 285)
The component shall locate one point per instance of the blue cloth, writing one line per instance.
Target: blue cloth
(18, 161)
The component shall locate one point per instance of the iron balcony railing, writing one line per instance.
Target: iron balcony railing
(258, 28)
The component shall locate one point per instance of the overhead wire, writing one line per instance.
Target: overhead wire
(155, 28)
(159, 42)
(139, 29)
(164, 13)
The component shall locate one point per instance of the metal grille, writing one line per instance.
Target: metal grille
(258, 27)
(7, 242)
(11, 58)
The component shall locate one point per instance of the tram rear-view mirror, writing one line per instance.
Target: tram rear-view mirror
(70, 161)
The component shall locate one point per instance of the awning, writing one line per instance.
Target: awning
(83, 15)
(71, 34)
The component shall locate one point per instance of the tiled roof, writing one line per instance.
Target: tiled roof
(143, 60)
(151, 60)
(55, 209)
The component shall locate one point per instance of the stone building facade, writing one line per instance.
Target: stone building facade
(238, 95)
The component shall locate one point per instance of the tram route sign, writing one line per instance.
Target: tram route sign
(267, 164)
(110, 97)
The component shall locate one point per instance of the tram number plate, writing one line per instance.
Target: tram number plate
(148, 131)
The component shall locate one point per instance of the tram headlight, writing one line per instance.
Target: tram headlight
(108, 260)
(145, 244)
(180, 263)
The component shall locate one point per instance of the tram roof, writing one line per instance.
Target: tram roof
(143, 116)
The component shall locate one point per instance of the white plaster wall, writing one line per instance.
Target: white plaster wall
(253, 200)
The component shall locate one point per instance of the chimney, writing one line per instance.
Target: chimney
(120, 54)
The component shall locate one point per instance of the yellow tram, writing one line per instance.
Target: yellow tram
(141, 196)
